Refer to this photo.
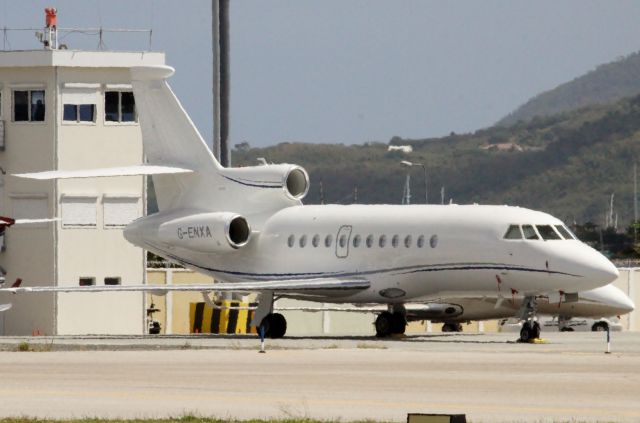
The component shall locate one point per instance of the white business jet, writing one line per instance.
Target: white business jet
(247, 227)
(595, 303)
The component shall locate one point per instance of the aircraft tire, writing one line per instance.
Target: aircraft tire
(536, 330)
(529, 331)
(398, 324)
(274, 325)
(452, 327)
(278, 325)
(600, 327)
(384, 324)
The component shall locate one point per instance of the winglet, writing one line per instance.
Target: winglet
(17, 283)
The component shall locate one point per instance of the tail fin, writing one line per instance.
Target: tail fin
(170, 138)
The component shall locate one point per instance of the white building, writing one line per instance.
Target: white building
(64, 109)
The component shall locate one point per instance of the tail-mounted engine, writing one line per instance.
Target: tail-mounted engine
(291, 181)
(216, 232)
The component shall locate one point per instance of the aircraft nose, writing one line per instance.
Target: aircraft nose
(597, 269)
(626, 305)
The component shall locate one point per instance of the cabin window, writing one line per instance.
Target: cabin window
(547, 232)
(328, 240)
(356, 241)
(513, 232)
(291, 241)
(315, 241)
(343, 241)
(382, 241)
(420, 242)
(119, 106)
(433, 241)
(407, 241)
(529, 232)
(369, 241)
(303, 241)
(28, 106)
(395, 241)
(564, 232)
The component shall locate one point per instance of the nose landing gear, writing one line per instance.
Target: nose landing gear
(530, 327)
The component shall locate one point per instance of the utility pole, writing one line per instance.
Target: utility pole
(635, 202)
(221, 74)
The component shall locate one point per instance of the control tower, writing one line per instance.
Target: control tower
(64, 109)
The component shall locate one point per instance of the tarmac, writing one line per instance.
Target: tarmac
(488, 377)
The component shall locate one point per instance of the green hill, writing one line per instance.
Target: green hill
(567, 164)
(605, 84)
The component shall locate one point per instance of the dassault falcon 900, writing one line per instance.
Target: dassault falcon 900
(247, 227)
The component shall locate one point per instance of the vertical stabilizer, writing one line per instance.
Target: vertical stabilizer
(170, 138)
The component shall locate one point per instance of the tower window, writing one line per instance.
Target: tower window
(28, 106)
(87, 281)
(119, 106)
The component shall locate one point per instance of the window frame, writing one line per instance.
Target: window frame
(553, 230)
(538, 237)
(70, 197)
(92, 279)
(118, 280)
(119, 121)
(29, 91)
(511, 225)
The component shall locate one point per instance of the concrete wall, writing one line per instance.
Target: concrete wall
(50, 254)
(629, 283)
(105, 252)
(29, 146)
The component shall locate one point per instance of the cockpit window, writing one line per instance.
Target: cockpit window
(547, 232)
(565, 232)
(513, 232)
(529, 232)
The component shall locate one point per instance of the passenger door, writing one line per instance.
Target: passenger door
(342, 241)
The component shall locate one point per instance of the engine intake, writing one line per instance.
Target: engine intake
(217, 232)
(296, 183)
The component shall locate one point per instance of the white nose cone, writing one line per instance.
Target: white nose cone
(598, 269)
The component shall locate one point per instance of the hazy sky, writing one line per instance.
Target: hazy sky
(352, 71)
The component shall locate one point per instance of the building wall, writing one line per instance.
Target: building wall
(629, 283)
(29, 146)
(52, 253)
(105, 252)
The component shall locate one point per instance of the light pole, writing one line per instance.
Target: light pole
(424, 168)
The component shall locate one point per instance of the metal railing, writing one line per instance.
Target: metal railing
(63, 33)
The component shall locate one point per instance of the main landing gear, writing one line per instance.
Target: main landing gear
(452, 327)
(392, 322)
(530, 327)
(274, 325)
(270, 324)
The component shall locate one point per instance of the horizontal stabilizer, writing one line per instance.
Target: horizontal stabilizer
(105, 172)
(283, 286)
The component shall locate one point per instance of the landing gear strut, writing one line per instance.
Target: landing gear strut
(392, 322)
(530, 327)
